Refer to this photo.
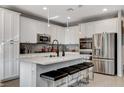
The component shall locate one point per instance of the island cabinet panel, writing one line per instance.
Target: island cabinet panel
(27, 74)
(30, 70)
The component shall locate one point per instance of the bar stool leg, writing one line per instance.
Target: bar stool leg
(92, 74)
(53, 84)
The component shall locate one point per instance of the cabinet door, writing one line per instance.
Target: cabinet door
(53, 30)
(27, 74)
(11, 46)
(82, 33)
(108, 25)
(89, 29)
(15, 45)
(7, 45)
(28, 30)
(1, 42)
(61, 35)
(74, 34)
(67, 36)
(41, 27)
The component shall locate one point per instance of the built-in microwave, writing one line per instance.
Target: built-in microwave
(85, 43)
(43, 38)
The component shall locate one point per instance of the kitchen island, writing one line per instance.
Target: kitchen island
(32, 67)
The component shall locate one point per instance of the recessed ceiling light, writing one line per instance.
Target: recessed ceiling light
(105, 9)
(44, 8)
(68, 17)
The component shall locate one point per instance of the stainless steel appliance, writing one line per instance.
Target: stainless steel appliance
(43, 38)
(86, 48)
(105, 53)
(85, 43)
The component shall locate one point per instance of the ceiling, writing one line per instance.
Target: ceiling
(80, 12)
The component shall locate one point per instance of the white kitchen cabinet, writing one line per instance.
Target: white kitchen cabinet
(67, 36)
(82, 33)
(9, 47)
(90, 28)
(87, 30)
(40, 27)
(72, 35)
(27, 74)
(58, 33)
(28, 30)
(108, 25)
(1, 43)
(52, 32)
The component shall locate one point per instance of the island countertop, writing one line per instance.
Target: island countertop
(46, 60)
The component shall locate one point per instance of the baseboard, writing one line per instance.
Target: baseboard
(10, 78)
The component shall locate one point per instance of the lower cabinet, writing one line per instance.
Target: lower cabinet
(10, 61)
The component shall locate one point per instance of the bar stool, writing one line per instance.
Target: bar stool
(72, 75)
(91, 67)
(84, 73)
(55, 78)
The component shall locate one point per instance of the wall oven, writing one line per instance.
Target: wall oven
(43, 38)
(86, 48)
(85, 43)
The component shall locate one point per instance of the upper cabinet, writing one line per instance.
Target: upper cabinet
(90, 28)
(72, 35)
(30, 28)
(57, 32)
(108, 25)
(87, 29)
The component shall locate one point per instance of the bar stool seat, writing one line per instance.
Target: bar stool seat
(55, 78)
(69, 70)
(54, 75)
(73, 74)
(80, 66)
(89, 64)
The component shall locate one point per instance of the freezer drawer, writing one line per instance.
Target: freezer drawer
(104, 66)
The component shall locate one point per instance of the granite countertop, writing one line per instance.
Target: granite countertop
(45, 54)
(50, 60)
(45, 59)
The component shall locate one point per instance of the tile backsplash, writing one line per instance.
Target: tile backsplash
(26, 48)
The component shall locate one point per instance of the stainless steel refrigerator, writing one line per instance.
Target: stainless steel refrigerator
(105, 53)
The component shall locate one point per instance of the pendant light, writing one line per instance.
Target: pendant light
(68, 18)
(48, 17)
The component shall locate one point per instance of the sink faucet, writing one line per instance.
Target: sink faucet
(57, 46)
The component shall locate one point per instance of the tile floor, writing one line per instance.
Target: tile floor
(99, 81)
